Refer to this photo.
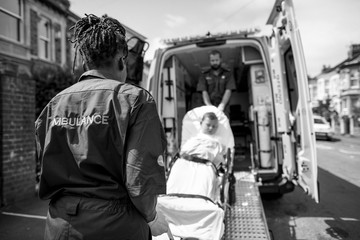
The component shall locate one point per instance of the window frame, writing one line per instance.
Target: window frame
(45, 53)
(19, 24)
(354, 79)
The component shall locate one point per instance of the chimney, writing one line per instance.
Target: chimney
(354, 50)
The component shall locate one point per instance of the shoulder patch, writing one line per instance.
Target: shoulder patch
(225, 69)
(160, 161)
(207, 70)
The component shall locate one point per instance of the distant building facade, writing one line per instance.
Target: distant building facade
(350, 92)
(341, 85)
(312, 82)
(33, 35)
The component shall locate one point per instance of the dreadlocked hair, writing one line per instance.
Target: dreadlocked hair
(98, 39)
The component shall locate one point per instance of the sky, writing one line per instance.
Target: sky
(327, 27)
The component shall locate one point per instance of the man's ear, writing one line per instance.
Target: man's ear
(121, 64)
(85, 67)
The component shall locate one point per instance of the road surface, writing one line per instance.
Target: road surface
(297, 217)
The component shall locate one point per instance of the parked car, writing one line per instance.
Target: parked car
(322, 128)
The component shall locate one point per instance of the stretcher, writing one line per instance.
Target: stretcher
(197, 194)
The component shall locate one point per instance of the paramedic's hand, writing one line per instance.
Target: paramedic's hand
(159, 225)
(221, 107)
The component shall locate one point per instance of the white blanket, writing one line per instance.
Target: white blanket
(205, 146)
(193, 178)
(192, 217)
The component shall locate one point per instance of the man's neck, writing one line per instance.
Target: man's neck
(110, 73)
(216, 71)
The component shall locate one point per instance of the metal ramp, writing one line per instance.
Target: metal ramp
(246, 218)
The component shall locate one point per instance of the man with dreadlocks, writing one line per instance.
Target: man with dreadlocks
(101, 144)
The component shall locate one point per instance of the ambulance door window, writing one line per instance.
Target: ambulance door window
(168, 106)
(291, 80)
(180, 77)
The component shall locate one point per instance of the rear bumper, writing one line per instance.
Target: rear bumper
(278, 187)
(326, 135)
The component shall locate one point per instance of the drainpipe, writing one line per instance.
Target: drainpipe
(333, 123)
(342, 125)
(352, 125)
(1, 138)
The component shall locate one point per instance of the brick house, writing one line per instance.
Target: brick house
(33, 36)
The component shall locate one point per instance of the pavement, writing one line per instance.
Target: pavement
(347, 138)
(25, 220)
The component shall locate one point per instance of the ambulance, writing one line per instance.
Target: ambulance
(270, 111)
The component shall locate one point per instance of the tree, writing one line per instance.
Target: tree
(323, 109)
(50, 80)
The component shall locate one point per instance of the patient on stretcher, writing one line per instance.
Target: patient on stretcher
(191, 173)
(204, 145)
(192, 205)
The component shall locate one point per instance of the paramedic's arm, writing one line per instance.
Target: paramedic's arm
(225, 99)
(202, 87)
(230, 85)
(40, 133)
(206, 98)
(145, 146)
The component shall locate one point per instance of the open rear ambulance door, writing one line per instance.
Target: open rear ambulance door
(161, 84)
(153, 80)
(291, 97)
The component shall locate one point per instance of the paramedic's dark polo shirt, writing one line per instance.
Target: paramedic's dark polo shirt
(216, 85)
(101, 138)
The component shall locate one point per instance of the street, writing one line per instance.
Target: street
(23, 220)
(296, 216)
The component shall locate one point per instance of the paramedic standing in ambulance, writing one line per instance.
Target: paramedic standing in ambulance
(216, 83)
(101, 144)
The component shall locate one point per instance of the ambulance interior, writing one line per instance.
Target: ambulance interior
(251, 106)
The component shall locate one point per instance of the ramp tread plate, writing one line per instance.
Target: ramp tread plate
(246, 218)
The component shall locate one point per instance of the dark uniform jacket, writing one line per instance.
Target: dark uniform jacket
(216, 85)
(102, 139)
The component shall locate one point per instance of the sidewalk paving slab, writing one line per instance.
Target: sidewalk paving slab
(23, 219)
